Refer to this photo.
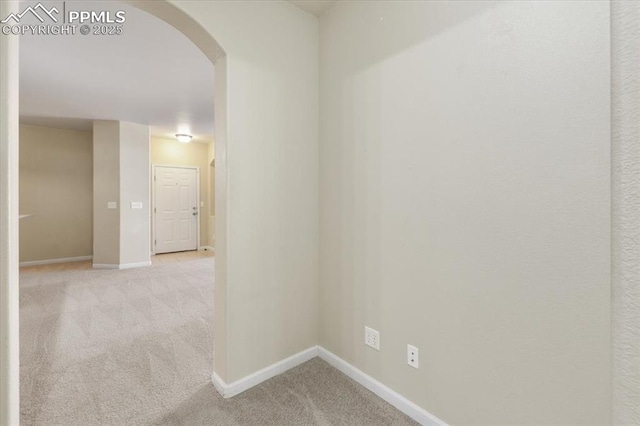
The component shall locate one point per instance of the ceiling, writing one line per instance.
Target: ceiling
(150, 74)
(315, 7)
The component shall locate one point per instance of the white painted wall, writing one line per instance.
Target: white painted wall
(135, 186)
(465, 204)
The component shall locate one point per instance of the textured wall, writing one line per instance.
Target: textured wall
(625, 67)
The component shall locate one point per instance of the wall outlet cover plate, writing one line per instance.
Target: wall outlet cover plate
(372, 338)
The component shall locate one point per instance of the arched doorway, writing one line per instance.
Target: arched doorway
(209, 46)
(9, 48)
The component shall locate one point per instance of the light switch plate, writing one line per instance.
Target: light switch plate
(136, 204)
(112, 204)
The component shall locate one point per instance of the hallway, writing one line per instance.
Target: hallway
(439, 200)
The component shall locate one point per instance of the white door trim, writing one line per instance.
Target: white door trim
(153, 202)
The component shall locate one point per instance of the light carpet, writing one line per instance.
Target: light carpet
(135, 347)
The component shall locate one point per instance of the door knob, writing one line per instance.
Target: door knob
(195, 213)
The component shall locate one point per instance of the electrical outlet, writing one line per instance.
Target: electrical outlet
(372, 338)
(413, 358)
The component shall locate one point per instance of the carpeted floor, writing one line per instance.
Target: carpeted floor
(135, 347)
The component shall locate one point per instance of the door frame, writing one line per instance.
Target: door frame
(152, 210)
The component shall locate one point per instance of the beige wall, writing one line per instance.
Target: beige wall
(56, 172)
(106, 188)
(211, 191)
(465, 188)
(221, 324)
(121, 175)
(268, 273)
(172, 153)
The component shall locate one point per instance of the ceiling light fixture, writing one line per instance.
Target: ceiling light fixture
(183, 138)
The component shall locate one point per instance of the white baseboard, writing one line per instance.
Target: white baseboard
(207, 248)
(220, 385)
(105, 266)
(227, 390)
(409, 408)
(121, 265)
(52, 261)
(135, 265)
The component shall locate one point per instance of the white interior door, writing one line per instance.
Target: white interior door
(176, 209)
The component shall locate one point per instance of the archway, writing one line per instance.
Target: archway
(210, 47)
(9, 281)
